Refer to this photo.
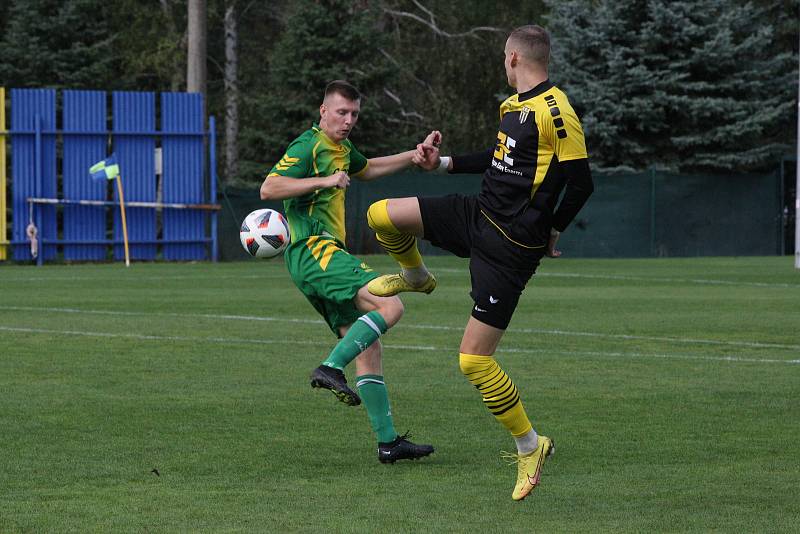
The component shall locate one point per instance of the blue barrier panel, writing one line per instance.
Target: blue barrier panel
(33, 169)
(182, 179)
(84, 113)
(83, 203)
(134, 115)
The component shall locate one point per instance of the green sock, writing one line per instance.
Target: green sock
(364, 332)
(376, 399)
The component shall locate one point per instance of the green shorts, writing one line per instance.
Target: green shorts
(329, 277)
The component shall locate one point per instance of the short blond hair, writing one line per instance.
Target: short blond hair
(533, 43)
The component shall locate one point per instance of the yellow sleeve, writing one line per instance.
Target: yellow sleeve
(564, 131)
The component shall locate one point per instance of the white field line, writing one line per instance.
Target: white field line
(628, 337)
(670, 280)
(282, 274)
(137, 278)
(264, 342)
(144, 337)
(748, 344)
(642, 278)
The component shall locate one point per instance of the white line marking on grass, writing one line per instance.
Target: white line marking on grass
(264, 342)
(450, 270)
(643, 279)
(649, 355)
(750, 344)
(679, 280)
(630, 337)
(138, 278)
(145, 337)
(166, 314)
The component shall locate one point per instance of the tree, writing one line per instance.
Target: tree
(231, 91)
(152, 45)
(683, 85)
(318, 42)
(197, 50)
(449, 61)
(58, 44)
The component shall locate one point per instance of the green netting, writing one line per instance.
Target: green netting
(736, 215)
(629, 215)
(615, 222)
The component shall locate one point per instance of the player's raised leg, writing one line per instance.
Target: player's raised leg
(397, 223)
(358, 337)
(501, 397)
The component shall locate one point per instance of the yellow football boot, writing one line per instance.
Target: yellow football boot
(392, 284)
(529, 467)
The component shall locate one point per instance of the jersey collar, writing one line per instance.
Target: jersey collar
(536, 91)
(321, 132)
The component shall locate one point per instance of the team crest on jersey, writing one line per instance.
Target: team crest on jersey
(523, 115)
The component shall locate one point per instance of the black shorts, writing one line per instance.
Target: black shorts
(499, 269)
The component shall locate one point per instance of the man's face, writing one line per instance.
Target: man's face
(510, 62)
(338, 116)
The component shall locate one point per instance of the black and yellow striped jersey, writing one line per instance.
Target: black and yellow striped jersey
(538, 131)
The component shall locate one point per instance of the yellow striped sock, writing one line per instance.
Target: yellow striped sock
(399, 245)
(498, 391)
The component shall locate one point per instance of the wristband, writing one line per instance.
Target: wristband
(444, 162)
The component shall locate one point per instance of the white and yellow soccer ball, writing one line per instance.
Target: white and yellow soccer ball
(264, 233)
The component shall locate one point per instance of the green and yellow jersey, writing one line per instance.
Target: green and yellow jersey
(320, 212)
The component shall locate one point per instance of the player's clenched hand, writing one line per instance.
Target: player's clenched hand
(339, 179)
(434, 138)
(552, 251)
(426, 157)
(427, 153)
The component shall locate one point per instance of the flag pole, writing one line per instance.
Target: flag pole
(124, 223)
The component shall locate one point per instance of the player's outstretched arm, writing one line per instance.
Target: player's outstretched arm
(277, 187)
(382, 166)
(427, 157)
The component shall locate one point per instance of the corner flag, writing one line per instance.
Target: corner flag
(107, 169)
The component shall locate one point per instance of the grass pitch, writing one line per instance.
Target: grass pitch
(671, 388)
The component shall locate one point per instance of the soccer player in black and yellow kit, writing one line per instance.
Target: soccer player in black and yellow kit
(505, 230)
(311, 179)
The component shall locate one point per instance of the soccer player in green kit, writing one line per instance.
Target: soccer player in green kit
(311, 179)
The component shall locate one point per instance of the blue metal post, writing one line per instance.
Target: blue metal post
(212, 163)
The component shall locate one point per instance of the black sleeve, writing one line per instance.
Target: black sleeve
(579, 187)
(475, 163)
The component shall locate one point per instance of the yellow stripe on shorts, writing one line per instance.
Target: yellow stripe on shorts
(322, 249)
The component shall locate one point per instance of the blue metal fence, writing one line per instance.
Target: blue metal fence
(182, 157)
(134, 116)
(84, 116)
(33, 167)
(155, 231)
